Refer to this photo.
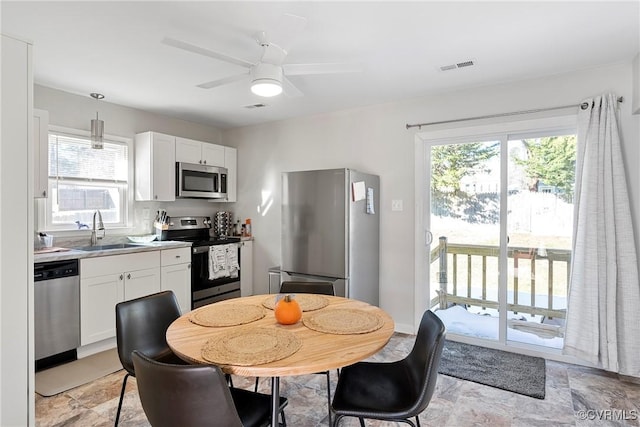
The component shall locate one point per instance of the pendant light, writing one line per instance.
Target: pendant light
(97, 126)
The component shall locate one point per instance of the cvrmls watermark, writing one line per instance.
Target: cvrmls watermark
(609, 414)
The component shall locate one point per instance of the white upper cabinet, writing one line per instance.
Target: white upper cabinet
(155, 175)
(40, 153)
(198, 152)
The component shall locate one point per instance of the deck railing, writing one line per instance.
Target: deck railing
(466, 253)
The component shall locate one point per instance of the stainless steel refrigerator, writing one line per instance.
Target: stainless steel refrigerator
(331, 230)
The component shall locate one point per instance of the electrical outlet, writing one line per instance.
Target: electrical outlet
(396, 205)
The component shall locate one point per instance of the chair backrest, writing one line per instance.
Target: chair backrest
(424, 359)
(141, 324)
(293, 287)
(184, 395)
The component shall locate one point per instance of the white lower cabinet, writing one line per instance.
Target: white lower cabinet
(141, 283)
(106, 281)
(246, 268)
(176, 275)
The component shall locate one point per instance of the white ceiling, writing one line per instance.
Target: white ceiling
(115, 48)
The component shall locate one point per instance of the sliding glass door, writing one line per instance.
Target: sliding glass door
(500, 213)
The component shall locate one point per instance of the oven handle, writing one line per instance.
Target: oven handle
(203, 249)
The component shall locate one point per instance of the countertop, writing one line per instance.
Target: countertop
(77, 254)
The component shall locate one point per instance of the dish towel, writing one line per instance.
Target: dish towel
(232, 260)
(217, 262)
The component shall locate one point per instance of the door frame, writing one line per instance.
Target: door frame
(439, 135)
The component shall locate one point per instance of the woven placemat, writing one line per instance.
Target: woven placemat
(250, 346)
(343, 321)
(226, 314)
(307, 302)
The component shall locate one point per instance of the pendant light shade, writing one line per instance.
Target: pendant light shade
(97, 127)
(97, 133)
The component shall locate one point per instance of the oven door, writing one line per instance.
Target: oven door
(205, 290)
(200, 181)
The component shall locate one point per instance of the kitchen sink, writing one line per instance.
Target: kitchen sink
(107, 247)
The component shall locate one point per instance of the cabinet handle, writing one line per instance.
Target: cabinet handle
(44, 193)
(177, 256)
(204, 161)
(189, 265)
(129, 276)
(121, 276)
(200, 161)
(155, 197)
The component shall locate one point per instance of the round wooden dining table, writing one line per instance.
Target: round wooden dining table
(319, 351)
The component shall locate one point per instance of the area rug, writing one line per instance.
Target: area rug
(61, 378)
(513, 372)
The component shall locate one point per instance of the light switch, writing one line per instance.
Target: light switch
(396, 205)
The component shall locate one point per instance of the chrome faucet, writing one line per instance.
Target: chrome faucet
(94, 237)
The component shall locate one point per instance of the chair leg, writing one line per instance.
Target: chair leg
(284, 420)
(329, 396)
(417, 421)
(255, 388)
(124, 385)
(361, 422)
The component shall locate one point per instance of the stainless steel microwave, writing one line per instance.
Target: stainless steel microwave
(200, 181)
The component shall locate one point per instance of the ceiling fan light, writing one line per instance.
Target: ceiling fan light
(266, 87)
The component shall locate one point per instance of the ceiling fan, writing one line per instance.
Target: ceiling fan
(268, 76)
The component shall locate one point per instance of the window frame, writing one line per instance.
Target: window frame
(44, 208)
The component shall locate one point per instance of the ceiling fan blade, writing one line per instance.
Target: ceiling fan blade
(206, 52)
(223, 81)
(289, 89)
(321, 68)
(273, 54)
(288, 29)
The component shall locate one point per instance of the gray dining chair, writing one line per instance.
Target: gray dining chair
(197, 395)
(141, 324)
(393, 391)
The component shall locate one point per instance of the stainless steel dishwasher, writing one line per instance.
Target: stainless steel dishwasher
(57, 310)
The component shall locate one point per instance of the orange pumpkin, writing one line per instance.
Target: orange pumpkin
(288, 311)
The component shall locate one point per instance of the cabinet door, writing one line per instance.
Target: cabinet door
(212, 154)
(188, 150)
(177, 278)
(155, 167)
(141, 283)
(164, 167)
(231, 163)
(40, 153)
(98, 298)
(246, 268)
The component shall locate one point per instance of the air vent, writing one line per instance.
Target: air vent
(464, 64)
(255, 106)
(455, 66)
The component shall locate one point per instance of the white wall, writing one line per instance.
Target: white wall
(375, 140)
(16, 252)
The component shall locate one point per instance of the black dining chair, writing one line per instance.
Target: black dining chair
(197, 395)
(393, 391)
(141, 324)
(322, 288)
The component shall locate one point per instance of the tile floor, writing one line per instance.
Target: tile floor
(575, 396)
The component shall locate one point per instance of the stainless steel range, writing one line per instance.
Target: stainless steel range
(206, 286)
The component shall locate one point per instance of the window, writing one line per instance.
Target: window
(83, 180)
